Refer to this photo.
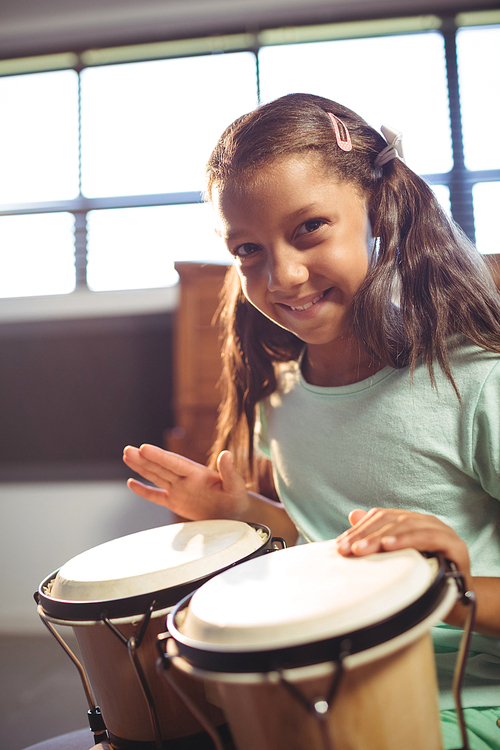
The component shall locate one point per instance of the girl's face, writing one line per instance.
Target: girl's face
(301, 242)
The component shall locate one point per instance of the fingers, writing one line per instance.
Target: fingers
(366, 531)
(148, 456)
(355, 516)
(383, 530)
(225, 467)
(147, 470)
(376, 531)
(232, 481)
(153, 494)
(172, 462)
(156, 465)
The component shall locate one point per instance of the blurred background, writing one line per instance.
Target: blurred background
(109, 265)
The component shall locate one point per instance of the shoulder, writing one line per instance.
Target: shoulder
(473, 365)
(475, 372)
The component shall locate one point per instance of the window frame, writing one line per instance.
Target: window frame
(459, 180)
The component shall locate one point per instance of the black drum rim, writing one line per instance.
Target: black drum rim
(93, 610)
(240, 661)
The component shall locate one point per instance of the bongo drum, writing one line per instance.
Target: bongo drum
(116, 597)
(310, 650)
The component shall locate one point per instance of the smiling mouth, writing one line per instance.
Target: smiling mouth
(309, 304)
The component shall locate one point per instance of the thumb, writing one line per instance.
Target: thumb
(232, 481)
(356, 515)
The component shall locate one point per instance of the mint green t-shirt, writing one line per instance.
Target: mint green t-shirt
(395, 441)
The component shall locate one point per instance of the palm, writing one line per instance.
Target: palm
(187, 488)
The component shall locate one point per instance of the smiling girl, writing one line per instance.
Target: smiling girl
(362, 355)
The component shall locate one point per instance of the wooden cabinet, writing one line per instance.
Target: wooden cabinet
(197, 363)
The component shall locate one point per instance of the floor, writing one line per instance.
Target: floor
(40, 691)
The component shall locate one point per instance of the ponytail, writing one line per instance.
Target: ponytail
(426, 281)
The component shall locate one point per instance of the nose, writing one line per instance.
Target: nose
(286, 269)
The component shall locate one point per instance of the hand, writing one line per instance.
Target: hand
(386, 529)
(187, 488)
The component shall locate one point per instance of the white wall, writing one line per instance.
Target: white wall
(42, 526)
(86, 304)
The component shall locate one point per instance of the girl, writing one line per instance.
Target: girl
(362, 355)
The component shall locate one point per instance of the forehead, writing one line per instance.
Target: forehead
(292, 178)
(305, 162)
(285, 189)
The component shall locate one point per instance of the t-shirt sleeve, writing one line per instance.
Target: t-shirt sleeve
(261, 434)
(486, 434)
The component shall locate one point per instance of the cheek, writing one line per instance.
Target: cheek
(243, 282)
(362, 270)
(358, 269)
(249, 287)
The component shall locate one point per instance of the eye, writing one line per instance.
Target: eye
(243, 251)
(310, 226)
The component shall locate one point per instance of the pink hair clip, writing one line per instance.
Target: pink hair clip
(345, 144)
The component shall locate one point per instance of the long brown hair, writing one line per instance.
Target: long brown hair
(426, 281)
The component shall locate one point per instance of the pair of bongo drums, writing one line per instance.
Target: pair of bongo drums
(192, 636)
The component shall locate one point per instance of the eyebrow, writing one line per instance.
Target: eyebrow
(294, 215)
(309, 208)
(231, 236)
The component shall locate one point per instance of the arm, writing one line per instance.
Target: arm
(383, 530)
(195, 492)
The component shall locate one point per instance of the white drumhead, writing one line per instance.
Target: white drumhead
(300, 595)
(154, 560)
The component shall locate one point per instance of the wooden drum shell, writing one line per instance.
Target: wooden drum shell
(387, 704)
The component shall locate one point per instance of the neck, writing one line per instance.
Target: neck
(334, 371)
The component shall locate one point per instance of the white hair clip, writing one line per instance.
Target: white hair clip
(394, 149)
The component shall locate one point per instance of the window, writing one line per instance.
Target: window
(360, 73)
(479, 70)
(134, 248)
(486, 200)
(39, 137)
(149, 127)
(38, 254)
(102, 162)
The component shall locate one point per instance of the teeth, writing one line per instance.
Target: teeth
(309, 304)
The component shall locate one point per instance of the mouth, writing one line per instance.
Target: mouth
(299, 308)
